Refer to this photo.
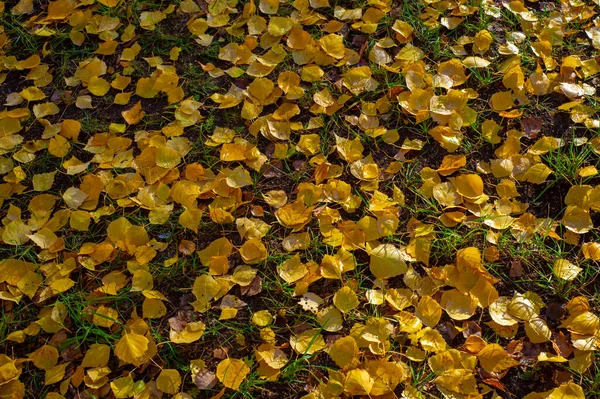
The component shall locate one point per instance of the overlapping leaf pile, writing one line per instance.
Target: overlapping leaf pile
(224, 198)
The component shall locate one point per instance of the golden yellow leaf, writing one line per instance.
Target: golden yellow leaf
(428, 311)
(55, 374)
(153, 308)
(262, 318)
(330, 319)
(232, 372)
(566, 270)
(97, 355)
(253, 251)
(387, 261)
(123, 387)
(131, 347)
(459, 306)
(358, 382)
(537, 331)
(98, 86)
(345, 299)
(570, 390)
(45, 357)
(191, 333)
(308, 342)
(493, 358)
(134, 114)
(343, 351)
(168, 381)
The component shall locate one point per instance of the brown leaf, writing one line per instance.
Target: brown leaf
(220, 353)
(205, 379)
(531, 127)
(495, 383)
(530, 353)
(177, 323)
(273, 170)
(561, 345)
(516, 269)
(471, 328)
(515, 347)
(448, 331)
(554, 310)
(298, 165)
(186, 247)
(58, 338)
(254, 288)
(561, 377)
(257, 210)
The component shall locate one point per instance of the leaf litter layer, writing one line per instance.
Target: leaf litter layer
(240, 199)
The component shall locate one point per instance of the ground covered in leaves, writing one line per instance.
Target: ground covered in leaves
(299, 199)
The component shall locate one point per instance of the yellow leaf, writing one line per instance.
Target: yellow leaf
(537, 331)
(502, 100)
(32, 93)
(591, 250)
(587, 171)
(190, 218)
(253, 251)
(243, 275)
(493, 358)
(134, 114)
(581, 361)
(387, 261)
(168, 381)
(149, 19)
(330, 319)
(70, 128)
(98, 86)
(468, 185)
(577, 220)
(428, 311)
(45, 109)
(59, 146)
(333, 45)
(131, 347)
(537, 174)
(153, 308)
(107, 48)
(269, 6)
(96, 356)
(84, 102)
(105, 316)
(475, 62)
(59, 9)
(109, 3)
(570, 390)
(343, 351)
(232, 372)
(345, 299)
(191, 333)
(275, 198)
(358, 382)
(482, 41)
(262, 318)
(45, 357)
(566, 270)
(55, 374)
(459, 306)
(74, 197)
(307, 343)
(122, 98)
(9, 126)
(123, 387)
